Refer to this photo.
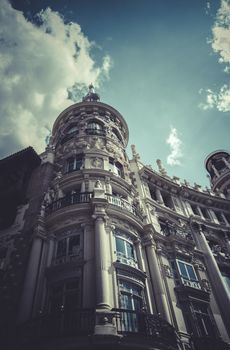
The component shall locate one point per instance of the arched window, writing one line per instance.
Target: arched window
(95, 128)
(73, 129)
(116, 168)
(70, 133)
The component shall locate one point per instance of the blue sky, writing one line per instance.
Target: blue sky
(163, 64)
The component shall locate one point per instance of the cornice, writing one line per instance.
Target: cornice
(186, 192)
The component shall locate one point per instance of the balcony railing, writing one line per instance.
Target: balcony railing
(141, 323)
(123, 204)
(77, 198)
(80, 322)
(74, 198)
(190, 283)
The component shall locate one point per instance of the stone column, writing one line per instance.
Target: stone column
(102, 275)
(159, 196)
(89, 266)
(221, 292)
(139, 254)
(215, 170)
(157, 284)
(226, 162)
(50, 250)
(105, 324)
(27, 298)
(141, 265)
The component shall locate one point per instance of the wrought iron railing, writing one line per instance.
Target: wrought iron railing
(123, 204)
(141, 323)
(80, 322)
(74, 198)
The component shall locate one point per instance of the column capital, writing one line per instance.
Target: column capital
(100, 211)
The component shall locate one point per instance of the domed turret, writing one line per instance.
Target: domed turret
(218, 167)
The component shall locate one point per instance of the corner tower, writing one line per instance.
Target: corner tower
(218, 167)
(87, 252)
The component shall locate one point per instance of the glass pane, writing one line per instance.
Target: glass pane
(191, 273)
(120, 246)
(130, 250)
(70, 166)
(73, 129)
(78, 164)
(94, 126)
(137, 303)
(182, 269)
(61, 248)
(74, 245)
(126, 301)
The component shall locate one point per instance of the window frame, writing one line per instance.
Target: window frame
(125, 258)
(187, 280)
(67, 256)
(130, 293)
(63, 294)
(76, 161)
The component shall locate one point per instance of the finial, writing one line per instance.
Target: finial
(91, 95)
(134, 152)
(160, 167)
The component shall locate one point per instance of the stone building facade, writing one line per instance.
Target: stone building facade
(99, 250)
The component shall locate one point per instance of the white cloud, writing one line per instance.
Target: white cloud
(175, 148)
(220, 100)
(40, 67)
(221, 45)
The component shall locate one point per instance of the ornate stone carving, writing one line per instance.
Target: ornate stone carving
(166, 269)
(97, 162)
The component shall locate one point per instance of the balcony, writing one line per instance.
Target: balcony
(123, 204)
(134, 326)
(74, 198)
(190, 283)
(145, 325)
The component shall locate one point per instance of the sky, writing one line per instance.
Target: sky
(163, 64)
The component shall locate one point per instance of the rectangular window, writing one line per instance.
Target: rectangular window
(125, 252)
(188, 274)
(203, 321)
(131, 302)
(131, 296)
(68, 248)
(64, 296)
